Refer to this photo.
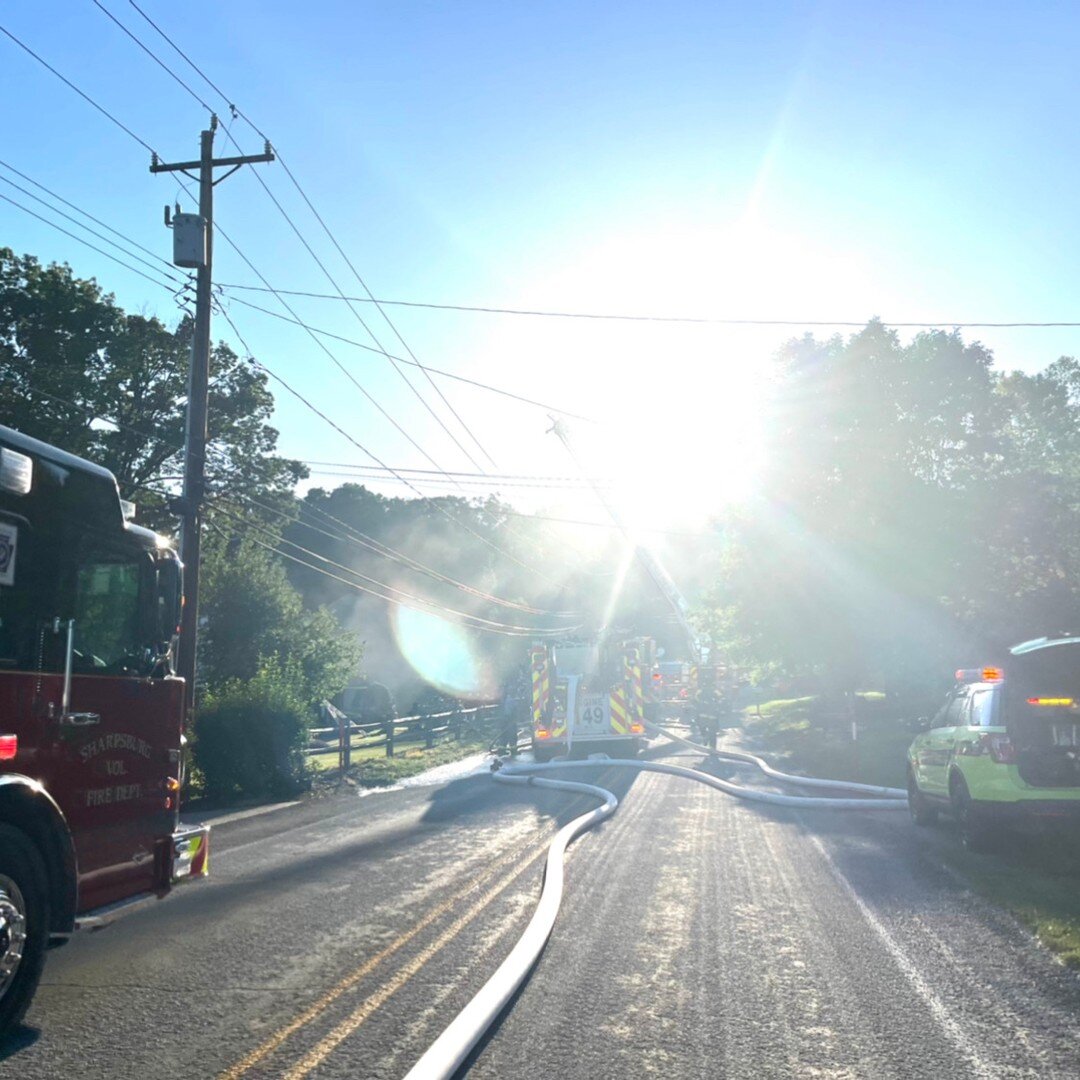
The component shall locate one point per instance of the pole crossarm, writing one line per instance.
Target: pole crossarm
(179, 166)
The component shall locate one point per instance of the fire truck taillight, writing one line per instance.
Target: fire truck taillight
(9, 747)
(637, 729)
(543, 733)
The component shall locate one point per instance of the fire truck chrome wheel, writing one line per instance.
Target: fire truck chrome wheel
(12, 931)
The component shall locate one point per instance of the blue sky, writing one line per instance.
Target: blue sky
(788, 160)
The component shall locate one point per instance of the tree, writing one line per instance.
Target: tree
(255, 617)
(868, 554)
(77, 371)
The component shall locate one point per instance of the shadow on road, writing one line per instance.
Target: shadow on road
(17, 1040)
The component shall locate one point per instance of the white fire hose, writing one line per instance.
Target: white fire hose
(787, 778)
(446, 1055)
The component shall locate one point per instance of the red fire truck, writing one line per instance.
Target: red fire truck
(91, 713)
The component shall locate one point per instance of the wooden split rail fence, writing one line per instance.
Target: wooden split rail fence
(483, 722)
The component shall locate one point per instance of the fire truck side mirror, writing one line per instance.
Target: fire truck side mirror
(163, 614)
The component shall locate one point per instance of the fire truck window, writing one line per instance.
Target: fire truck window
(20, 596)
(107, 617)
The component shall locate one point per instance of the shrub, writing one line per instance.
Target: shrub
(250, 736)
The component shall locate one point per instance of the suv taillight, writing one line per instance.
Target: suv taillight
(1000, 748)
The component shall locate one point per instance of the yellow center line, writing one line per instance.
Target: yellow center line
(350, 980)
(314, 1057)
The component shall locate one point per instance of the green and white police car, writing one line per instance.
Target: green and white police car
(1003, 752)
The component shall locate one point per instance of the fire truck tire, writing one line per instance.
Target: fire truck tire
(24, 912)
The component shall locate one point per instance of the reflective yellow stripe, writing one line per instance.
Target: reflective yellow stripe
(620, 716)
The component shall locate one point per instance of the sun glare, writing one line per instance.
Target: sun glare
(441, 652)
(681, 404)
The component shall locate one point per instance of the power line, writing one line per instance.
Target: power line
(702, 320)
(333, 239)
(336, 362)
(93, 232)
(438, 371)
(86, 97)
(359, 539)
(433, 480)
(86, 243)
(97, 221)
(489, 476)
(164, 67)
(300, 236)
(475, 622)
(440, 508)
(367, 453)
(395, 363)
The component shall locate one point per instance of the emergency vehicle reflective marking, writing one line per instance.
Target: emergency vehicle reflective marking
(620, 712)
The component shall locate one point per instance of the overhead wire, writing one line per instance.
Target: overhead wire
(333, 239)
(86, 97)
(363, 449)
(359, 539)
(93, 247)
(236, 111)
(390, 594)
(707, 320)
(367, 542)
(86, 214)
(547, 406)
(170, 274)
(296, 230)
(429, 472)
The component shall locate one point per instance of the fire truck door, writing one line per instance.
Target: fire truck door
(116, 736)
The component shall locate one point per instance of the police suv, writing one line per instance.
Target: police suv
(1004, 750)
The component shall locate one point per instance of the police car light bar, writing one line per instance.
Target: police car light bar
(984, 674)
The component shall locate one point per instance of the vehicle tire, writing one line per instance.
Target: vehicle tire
(974, 834)
(542, 754)
(922, 813)
(24, 924)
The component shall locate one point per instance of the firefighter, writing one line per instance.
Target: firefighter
(515, 705)
(709, 708)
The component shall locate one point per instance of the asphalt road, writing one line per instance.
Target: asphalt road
(700, 937)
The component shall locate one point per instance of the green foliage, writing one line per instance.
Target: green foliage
(69, 354)
(918, 511)
(254, 613)
(250, 735)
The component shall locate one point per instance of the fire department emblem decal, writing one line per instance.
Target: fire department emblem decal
(9, 535)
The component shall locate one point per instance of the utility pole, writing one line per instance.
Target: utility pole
(194, 248)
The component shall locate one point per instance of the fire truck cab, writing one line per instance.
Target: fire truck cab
(91, 714)
(595, 697)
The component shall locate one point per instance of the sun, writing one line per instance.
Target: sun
(681, 406)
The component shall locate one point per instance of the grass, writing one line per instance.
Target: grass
(810, 740)
(372, 768)
(1037, 879)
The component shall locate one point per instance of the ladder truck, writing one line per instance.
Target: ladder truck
(91, 714)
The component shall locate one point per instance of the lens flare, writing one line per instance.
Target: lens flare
(441, 653)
